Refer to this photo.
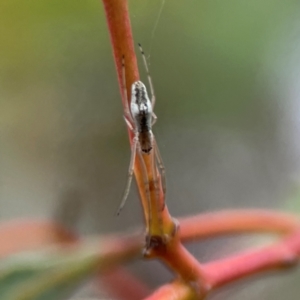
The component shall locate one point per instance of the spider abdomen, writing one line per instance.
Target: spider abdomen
(145, 140)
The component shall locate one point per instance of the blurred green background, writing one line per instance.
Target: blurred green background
(226, 77)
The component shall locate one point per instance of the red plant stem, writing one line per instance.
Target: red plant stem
(178, 258)
(176, 290)
(192, 273)
(115, 250)
(118, 21)
(236, 221)
(281, 255)
(121, 38)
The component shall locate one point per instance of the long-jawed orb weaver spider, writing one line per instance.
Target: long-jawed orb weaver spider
(140, 118)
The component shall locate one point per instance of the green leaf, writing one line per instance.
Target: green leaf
(47, 275)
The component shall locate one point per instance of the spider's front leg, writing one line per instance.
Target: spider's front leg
(154, 119)
(129, 121)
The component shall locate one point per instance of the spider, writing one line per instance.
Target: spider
(140, 118)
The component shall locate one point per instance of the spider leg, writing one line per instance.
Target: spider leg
(155, 179)
(161, 167)
(127, 115)
(154, 118)
(149, 76)
(130, 174)
(146, 184)
(128, 122)
(153, 98)
(156, 187)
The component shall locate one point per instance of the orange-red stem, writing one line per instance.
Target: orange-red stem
(174, 254)
(158, 222)
(176, 290)
(281, 255)
(236, 221)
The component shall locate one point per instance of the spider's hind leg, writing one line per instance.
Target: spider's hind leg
(161, 168)
(130, 174)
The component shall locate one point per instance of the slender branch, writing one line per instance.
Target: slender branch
(118, 21)
(281, 255)
(236, 221)
(196, 277)
(184, 263)
(167, 244)
(177, 290)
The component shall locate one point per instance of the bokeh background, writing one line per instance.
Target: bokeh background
(226, 76)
